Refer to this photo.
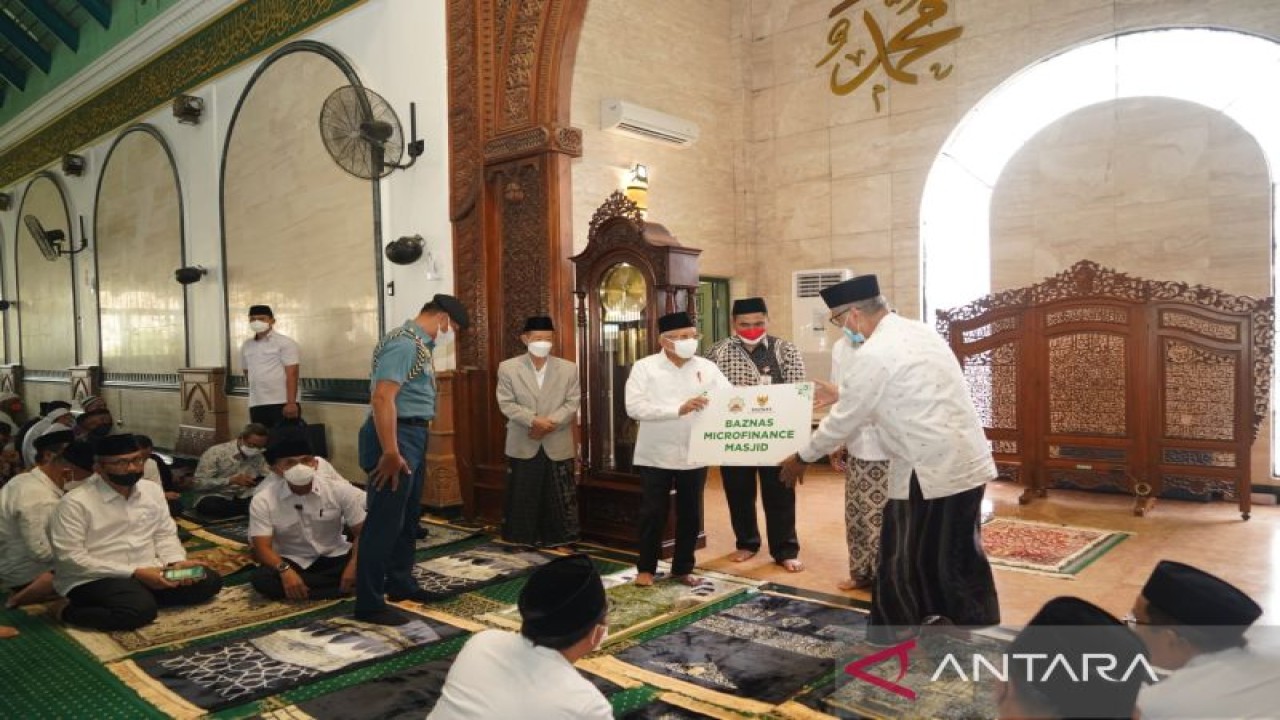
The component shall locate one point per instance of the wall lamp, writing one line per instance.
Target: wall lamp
(188, 109)
(190, 274)
(73, 165)
(637, 188)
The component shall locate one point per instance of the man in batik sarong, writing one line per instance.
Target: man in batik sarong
(906, 381)
(539, 394)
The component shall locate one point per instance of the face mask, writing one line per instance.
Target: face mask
(126, 480)
(444, 335)
(299, 475)
(854, 336)
(686, 348)
(259, 326)
(751, 336)
(540, 348)
(250, 451)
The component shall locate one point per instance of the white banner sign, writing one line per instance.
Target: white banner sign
(758, 425)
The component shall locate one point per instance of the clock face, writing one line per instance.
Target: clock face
(623, 292)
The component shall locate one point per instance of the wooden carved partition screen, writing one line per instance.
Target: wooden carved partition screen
(1097, 380)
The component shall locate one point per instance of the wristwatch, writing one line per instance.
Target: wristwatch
(283, 567)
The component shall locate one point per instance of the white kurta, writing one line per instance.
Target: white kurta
(26, 504)
(865, 444)
(1236, 683)
(500, 674)
(656, 389)
(906, 381)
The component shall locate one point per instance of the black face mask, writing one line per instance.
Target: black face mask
(125, 480)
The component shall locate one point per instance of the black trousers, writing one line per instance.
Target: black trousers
(269, 415)
(126, 604)
(654, 506)
(213, 506)
(322, 578)
(779, 509)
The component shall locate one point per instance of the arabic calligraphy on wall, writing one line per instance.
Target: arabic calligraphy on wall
(854, 58)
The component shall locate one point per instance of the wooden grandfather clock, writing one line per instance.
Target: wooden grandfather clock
(631, 273)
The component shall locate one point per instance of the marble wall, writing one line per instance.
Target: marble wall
(45, 299)
(681, 58)
(138, 233)
(155, 413)
(298, 229)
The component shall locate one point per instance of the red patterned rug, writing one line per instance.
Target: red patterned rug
(1044, 549)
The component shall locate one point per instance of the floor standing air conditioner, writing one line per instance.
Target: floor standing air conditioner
(811, 332)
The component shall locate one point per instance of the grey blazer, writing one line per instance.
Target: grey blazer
(521, 400)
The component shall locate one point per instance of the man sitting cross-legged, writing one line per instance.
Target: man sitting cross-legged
(296, 524)
(115, 546)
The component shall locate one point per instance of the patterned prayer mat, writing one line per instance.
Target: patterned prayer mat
(1044, 549)
(191, 681)
(223, 560)
(442, 534)
(235, 607)
(747, 657)
(406, 694)
(228, 533)
(475, 567)
(633, 608)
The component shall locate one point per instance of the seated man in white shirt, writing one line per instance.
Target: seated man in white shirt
(296, 524)
(26, 504)
(59, 414)
(116, 549)
(1195, 624)
(501, 674)
(1054, 665)
(228, 472)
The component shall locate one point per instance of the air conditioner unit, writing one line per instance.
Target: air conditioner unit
(626, 118)
(810, 331)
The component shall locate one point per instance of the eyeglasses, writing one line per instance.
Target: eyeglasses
(838, 318)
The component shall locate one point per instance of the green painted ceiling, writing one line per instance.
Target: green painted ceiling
(45, 42)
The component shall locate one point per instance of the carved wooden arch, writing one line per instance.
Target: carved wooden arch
(510, 77)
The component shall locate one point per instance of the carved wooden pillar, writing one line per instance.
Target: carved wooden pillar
(441, 493)
(204, 410)
(510, 68)
(86, 380)
(11, 379)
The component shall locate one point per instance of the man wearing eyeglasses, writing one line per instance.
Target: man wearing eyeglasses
(1195, 624)
(749, 357)
(113, 541)
(296, 524)
(906, 381)
(393, 450)
(663, 392)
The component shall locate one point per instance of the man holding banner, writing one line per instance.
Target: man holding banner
(751, 357)
(664, 392)
(906, 380)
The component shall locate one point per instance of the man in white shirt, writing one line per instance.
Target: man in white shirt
(1066, 647)
(296, 524)
(26, 504)
(663, 391)
(1195, 625)
(501, 674)
(113, 541)
(907, 382)
(228, 472)
(271, 363)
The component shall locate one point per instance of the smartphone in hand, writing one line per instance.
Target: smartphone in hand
(196, 572)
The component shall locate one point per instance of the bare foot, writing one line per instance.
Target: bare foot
(644, 579)
(7, 632)
(37, 591)
(689, 580)
(742, 555)
(859, 583)
(792, 565)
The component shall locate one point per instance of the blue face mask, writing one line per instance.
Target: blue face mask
(855, 337)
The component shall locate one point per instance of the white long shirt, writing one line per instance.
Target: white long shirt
(655, 391)
(98, 533)
(26, 504)
(500, 674)
(265, 360)
(307, 527)
(906, 381)
(865, 444)
(1236, 683)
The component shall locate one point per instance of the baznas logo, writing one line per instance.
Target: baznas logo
(737, 404)
(762, 400)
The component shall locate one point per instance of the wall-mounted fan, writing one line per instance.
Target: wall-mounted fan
(363, 134)
(50, 241)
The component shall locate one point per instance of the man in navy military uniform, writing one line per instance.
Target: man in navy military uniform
(393, 449)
